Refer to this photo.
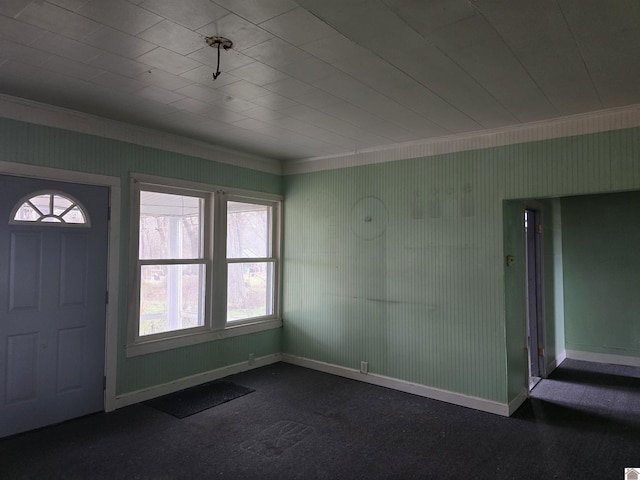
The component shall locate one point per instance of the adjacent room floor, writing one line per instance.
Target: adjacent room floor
(583, 422)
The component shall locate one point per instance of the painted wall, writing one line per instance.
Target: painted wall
(601, 248)
(49, 147)
(553, 283)
(515, 298)
(400, 264)
(515, 289)
(425, 300)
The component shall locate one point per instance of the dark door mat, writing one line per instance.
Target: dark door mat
(192, 400)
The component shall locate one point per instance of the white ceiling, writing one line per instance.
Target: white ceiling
(316, 78)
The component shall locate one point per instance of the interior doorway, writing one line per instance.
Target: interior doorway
(535, 319)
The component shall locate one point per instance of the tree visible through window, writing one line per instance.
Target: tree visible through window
(172, 264)
(204, 261)
(250, 260)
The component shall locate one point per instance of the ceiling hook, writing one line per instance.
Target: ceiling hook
(217, 42)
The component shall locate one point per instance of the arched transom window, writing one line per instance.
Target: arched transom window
(49, 207)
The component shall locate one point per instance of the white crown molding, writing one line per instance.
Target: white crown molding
(15, 108)
(593, 122)
(52, 116)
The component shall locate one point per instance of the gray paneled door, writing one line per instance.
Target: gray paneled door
(52, 304)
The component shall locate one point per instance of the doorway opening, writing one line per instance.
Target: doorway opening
(535, 320)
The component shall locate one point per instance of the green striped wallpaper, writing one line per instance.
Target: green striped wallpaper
(400, 264)
(49, 147)
(425, 300)
(601, 248)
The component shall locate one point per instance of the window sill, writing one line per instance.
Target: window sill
(153, 346)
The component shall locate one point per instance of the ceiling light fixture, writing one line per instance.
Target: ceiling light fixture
(216, 42)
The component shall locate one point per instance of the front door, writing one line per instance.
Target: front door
(53, 273)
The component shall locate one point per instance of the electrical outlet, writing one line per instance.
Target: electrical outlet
(364, 367)
(252, 359)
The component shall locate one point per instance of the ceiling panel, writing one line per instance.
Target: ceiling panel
(243, 89)
(19, 31)
(192, 14)
(310, 78)
(203, 75)
(168, 61)
(118, 83)
(298, 27)
(258, 73)
(120, 14)
(276, 53)
(201, 92)
(13, 7)
(56, 19)
(117, 64)
(162, 79)
(258, 11)
(173, 36)
(115, 41)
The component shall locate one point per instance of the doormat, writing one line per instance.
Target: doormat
(190, 401)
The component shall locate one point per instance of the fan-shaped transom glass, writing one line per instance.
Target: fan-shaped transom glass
(51, 208)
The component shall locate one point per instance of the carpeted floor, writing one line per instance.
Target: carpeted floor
(583, 422)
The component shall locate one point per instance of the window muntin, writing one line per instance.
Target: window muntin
(49, 207)
(189, 261)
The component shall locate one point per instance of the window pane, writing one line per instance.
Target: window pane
(170, 226)
(248, 230)
(60, 204)
(171, 298)
(26, 213)
(74, 216)
(250, 290)
(42, 203)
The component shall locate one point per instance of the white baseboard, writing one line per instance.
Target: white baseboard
(553, 364)
(518, 400)
(604, 358)
(159, 390)
(402, 385)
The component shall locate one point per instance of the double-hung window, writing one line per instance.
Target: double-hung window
(251, 260)
(205, 263)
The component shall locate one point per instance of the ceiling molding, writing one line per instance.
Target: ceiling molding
(38, 113)
(52, 116)
(594, 122)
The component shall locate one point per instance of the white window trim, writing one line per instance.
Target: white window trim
(236, 196)
(215, 324)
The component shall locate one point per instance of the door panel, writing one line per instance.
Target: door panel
(21, 371)
(52, 309)
(24, 290)
(73, 270)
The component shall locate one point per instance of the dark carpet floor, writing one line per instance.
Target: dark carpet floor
(583, 422)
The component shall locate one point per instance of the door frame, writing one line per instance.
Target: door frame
(538, 253)
(113, 255)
